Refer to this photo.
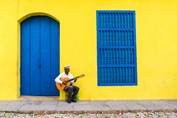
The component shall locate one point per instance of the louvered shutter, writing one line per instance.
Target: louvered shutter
(116, 48)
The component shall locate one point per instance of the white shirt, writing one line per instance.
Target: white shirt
(63, 75)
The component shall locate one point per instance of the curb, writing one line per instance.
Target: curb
(90, 112)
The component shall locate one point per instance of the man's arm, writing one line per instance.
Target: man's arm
(57, 79)
(71, 77)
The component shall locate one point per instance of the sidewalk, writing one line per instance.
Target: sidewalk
(112, 106)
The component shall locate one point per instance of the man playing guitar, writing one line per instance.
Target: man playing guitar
(72, 90)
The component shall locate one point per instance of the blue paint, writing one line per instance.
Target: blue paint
(116, 48)
(39, 56)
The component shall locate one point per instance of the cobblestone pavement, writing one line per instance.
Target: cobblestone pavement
(89, 115)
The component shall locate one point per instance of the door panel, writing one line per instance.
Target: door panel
(35, 56)
(45, 55)
(54, 53)
(25, 60)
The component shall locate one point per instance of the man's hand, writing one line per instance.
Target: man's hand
(75, 80)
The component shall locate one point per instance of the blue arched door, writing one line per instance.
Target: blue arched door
(39, 56)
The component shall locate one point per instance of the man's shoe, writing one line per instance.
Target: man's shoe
(68, 101)
(74, 100)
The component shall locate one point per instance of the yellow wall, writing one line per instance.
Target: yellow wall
(8, 49)
(156, 26)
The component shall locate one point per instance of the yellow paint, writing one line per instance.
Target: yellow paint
(156, 26)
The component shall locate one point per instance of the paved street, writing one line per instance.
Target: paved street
(112, 106)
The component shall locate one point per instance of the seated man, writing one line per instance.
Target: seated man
(72, 90)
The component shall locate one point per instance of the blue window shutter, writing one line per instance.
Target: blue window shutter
(116, 48)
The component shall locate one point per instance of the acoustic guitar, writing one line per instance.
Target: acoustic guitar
(67, 81)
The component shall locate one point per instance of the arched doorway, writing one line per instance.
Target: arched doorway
(39, 56)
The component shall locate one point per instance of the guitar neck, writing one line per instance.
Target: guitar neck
(72, 79)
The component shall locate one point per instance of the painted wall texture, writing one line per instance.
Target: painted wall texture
(156, 36)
